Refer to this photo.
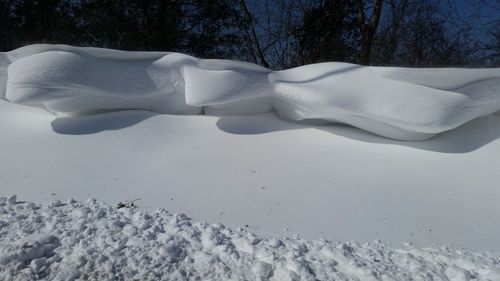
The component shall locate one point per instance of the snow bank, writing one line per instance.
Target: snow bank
(400, 103)
(95, 241)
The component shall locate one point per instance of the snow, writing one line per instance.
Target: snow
(405, 104)
(262, 172)
(95, 241)
(277, 177)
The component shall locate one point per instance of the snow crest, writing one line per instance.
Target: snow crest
(399, 103)
(94, 241)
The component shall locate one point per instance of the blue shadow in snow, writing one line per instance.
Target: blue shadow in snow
(91, 124)
(466, 138)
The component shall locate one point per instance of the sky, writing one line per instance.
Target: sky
(489, 9)
(486, 14)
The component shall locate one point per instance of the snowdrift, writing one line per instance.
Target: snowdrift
(399, 103)
(94, 241)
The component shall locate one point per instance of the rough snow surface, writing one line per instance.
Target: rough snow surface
(94, 241)
(400, 103)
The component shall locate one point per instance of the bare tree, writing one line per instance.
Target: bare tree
(251, 35)
(493, 47)
(368, 28)
(5, 20)
(387, 40)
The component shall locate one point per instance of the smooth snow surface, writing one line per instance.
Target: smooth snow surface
(95, 241)
(399, 103)
(334, 182)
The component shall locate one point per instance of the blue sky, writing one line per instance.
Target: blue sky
(486, 12)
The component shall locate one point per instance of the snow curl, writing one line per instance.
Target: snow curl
(399, 103)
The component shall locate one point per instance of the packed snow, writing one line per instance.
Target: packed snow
(94, 241)
(399, 103)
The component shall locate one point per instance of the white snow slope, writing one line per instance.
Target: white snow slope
(95, 241)
(400, 103)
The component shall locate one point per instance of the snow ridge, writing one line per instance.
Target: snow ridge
(94, 241)
(399, 103)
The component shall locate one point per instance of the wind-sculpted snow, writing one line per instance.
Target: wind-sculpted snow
(94, 241)
(400, 103)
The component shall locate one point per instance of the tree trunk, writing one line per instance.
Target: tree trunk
(368, 29)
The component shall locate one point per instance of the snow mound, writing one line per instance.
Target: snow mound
(95, 241)
(399, 103)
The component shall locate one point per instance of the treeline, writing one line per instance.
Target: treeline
(274, 33)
